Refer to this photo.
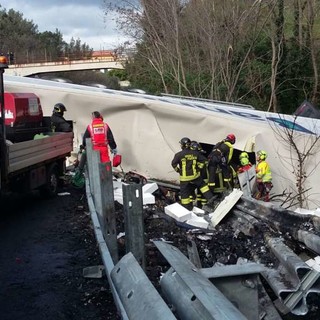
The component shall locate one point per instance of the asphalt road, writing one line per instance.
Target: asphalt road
(45, 244)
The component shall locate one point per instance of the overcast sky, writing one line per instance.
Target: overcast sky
(82, 19)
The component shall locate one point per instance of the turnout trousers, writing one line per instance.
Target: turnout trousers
(187, 191)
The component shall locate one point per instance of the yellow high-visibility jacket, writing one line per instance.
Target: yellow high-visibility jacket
(263, 171)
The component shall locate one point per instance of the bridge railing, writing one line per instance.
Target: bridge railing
(42, 59)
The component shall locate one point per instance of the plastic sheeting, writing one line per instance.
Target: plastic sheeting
(148, 128)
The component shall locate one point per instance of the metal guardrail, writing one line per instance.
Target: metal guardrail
(228, 292)
(133, 293)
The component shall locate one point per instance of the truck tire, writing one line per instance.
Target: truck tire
(50, 189)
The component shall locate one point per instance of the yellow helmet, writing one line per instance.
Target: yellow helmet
(262, 155)
(244, 158)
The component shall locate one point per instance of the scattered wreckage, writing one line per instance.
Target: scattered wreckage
(255, 261)
(273, 249)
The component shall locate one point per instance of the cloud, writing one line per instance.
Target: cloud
(81, 19)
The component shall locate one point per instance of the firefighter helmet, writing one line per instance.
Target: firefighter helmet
(59, 108)
(262, 155)
(244, 158)
(243, 155)
(185, 143)
(231, 138)
(194, 145)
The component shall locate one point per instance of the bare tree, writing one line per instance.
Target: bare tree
(303, 160)
(161, 24)
(312, 12)
(276, 34)
(208, 48)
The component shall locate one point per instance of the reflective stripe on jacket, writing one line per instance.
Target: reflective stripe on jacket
(98, 132)
(188, 163)
(230, 152)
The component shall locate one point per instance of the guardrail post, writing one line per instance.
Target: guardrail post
(90, 169)
(93, 160)
(108, 210)
(100, 178)
(134, 225)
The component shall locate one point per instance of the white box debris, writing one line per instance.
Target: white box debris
(178, 212)
(147, 190)
(198, 222)
(150, 188)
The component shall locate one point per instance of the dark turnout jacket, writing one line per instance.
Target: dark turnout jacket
(59, 123)
(188, 164)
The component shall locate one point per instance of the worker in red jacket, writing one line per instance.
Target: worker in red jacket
(101, 137)
(245, 163)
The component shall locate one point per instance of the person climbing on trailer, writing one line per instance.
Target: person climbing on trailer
(218, 165)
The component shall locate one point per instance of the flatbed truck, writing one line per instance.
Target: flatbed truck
(33, 163)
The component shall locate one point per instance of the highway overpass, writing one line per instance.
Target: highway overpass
(30, 69)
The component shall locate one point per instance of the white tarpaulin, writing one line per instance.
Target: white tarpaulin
(147, 129)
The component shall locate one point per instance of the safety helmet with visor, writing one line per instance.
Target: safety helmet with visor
(261, 155)
(231, 138)
(59, 108)
(244, 158)
(194, 145)
(185, 143)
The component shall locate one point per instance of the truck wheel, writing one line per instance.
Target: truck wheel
(50, 189)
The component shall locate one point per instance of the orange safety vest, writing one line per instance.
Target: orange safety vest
(98, 132)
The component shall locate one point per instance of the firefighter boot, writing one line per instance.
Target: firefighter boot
(212, 200)
(210, 207)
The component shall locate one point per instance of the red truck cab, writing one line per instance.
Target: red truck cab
(23, 116)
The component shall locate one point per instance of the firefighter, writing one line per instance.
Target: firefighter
(263, 177)
(245, 163)
(101, 136)
(200, 199)
(219, 164)
(58, 122)
(188, 163)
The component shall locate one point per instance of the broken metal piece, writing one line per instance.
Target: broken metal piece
(311, 240)
(200, 293)
(93, 272)
(139, 297)
(232, 270)
(193, 253)
(292, 281)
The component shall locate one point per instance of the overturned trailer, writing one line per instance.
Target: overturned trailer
(147, 130)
